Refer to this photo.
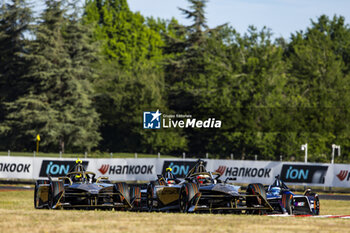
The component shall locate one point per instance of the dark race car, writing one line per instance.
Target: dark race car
(284, 201)
(163, 193)
(80, 189)
(203, 191)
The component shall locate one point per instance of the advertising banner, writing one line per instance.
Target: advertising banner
(245, 171)
(16, 167)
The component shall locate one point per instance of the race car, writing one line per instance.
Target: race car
(284, 201)
(203, 191)
(163, 193)
(80, 189)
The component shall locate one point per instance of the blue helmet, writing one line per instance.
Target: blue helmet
(275, 191)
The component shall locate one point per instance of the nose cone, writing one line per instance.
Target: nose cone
(91, 188)
(226, 188)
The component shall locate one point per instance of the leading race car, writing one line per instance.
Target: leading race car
(80, 189)
(286, 202)
(203, 191)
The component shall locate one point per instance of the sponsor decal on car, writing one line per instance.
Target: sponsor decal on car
(304, 173)
(244, 171)
(126, 169)
(56, 168)
(179, 168)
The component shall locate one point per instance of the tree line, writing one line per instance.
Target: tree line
(82, 78)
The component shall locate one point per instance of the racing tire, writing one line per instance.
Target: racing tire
(287, 203)
(150, 196)
(254, 189)
(316, 205)
(135, 196)
(36, 197)
(55, 191)
(123, 189)
(187, 192)
(316, 209)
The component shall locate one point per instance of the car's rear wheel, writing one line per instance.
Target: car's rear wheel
(187, 192)
(123, 190)
(255, 201)
(135, 196)
(287, 203)
(316, 205)
(36, 194)
(150, 196)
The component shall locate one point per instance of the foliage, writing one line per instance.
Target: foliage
(80, 79)
(57, 105)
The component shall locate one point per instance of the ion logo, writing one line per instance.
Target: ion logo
(343, 174)
(151, 120)
(297, 173)
(179, 168)
(57, 168)
(303, 173)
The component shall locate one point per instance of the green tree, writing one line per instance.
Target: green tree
(123, 97)
(125, 37)
(58, 104)
(15, 18)
(319, 76)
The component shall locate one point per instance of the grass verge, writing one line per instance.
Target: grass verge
(18, 215)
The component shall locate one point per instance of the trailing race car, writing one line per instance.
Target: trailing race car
(163, 193)
(203, 191)
(284, 201)
(80, 189)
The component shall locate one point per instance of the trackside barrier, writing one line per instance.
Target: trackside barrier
(293, 173)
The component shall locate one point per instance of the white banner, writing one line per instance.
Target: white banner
(310, 174)
(16, 167)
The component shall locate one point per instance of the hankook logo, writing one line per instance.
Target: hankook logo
(343, 174)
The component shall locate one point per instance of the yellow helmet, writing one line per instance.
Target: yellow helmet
(78, 161)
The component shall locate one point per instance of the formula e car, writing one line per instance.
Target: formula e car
(203, 191)
(286, 202)
(80, 189)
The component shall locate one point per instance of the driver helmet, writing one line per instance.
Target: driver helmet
(202, 179)
(171, 181)
(78, 177)
(275, 191)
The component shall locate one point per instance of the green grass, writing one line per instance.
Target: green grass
(18, 215)
(89, 155)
